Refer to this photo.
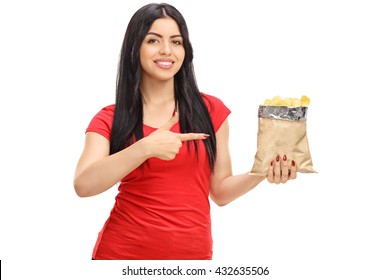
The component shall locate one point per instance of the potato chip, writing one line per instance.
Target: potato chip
(305, 101)
(296, 103)
(289, 102)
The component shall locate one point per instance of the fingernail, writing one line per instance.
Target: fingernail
(206, 136)
(272, 163)
(277, 158)
(293, 163)
(284, 157)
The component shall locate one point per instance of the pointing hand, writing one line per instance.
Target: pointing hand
(165, 144)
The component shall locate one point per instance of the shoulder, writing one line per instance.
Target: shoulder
(106, 113)
(211, 101)
(102, 121)
(107, 110)
(217, 109)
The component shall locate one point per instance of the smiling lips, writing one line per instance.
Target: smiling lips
(164, 63)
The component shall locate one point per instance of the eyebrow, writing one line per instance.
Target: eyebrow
(160, 36)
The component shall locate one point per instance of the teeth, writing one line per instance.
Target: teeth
(164, 63)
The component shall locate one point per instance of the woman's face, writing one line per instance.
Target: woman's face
(162, 51)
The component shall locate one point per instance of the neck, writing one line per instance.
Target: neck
(157, 92)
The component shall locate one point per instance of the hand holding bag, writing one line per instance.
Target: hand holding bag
(282, 131)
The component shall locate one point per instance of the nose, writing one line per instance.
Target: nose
(165, 48)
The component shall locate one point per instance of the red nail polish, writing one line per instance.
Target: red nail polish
(284, 157)
(277, 158)
(206, 136)
(293, 163)
(272, 163)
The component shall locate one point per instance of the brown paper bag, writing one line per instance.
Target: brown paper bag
(282, 131)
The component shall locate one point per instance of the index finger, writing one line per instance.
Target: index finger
(192, 136)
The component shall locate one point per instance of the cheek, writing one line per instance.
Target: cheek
(143, 66)
(181, 56)
(179, 65)
(142, 54)
(145, 51)
(144, 58)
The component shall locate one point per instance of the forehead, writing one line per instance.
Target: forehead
(165, 25)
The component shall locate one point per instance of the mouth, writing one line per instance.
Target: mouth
(164, 63)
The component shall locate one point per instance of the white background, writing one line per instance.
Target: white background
(58, 66)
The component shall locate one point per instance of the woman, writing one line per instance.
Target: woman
(166, 143)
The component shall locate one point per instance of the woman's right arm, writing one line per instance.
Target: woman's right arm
(97, 171)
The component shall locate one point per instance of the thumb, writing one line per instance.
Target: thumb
(171, 122)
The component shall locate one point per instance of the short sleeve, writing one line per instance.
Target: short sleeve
(217, 109)
(102, 122)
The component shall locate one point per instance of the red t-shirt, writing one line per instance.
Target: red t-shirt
(162, 210)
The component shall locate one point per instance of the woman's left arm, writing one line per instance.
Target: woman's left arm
(226, 187)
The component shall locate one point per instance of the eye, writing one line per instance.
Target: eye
(177, 42)
(152, 41)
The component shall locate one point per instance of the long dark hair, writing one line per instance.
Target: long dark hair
(128, 117)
